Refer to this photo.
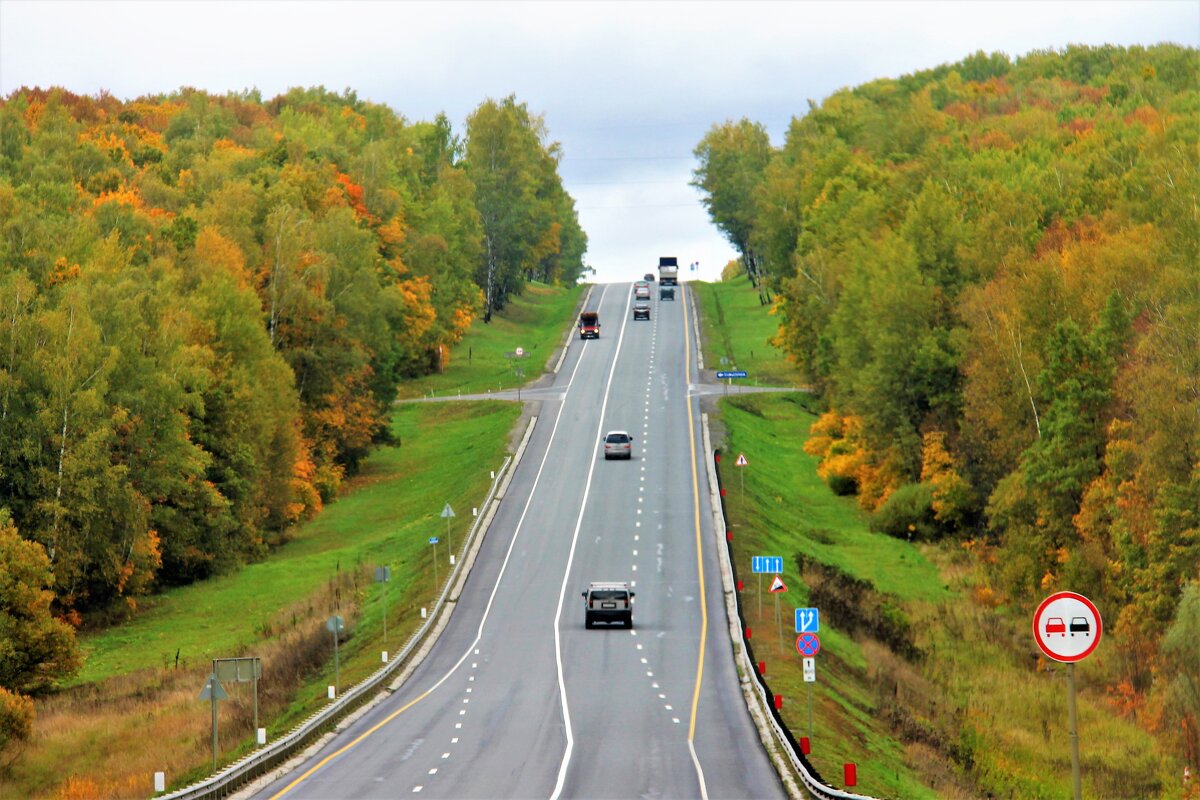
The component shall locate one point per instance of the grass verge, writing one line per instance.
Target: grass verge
(141, 678)
(739, 329)
(484, 361)
(965, 708)
(131, 689)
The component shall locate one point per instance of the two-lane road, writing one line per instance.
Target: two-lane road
(517, 698)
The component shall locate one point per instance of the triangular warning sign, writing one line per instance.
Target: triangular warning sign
(777, 585)
(741, 460)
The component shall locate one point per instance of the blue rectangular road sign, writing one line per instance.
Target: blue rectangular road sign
(766, 564)
(807, 621)
(740, 373)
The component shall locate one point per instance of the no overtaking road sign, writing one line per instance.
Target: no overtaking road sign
(1067, 627)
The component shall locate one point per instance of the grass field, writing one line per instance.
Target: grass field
(739, 329)
(976, 714)
(483, 361)
(141, 678)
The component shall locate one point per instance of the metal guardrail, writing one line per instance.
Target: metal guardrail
(229, 779)
(783, 736)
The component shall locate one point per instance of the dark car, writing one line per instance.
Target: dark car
(608, 601)
(1080, 625)
(648, 277)
(666, 292)
(641, 311)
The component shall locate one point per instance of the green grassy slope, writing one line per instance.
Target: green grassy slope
(974, 714)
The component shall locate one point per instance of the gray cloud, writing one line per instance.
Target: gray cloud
(627, 88)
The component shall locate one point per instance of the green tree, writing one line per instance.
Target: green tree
(36, 649)
(733, 158)
(519, 198)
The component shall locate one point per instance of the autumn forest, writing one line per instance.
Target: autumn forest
(989, 271)
(208, 303)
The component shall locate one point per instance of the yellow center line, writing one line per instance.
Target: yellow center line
(687, 361)
(364, 735)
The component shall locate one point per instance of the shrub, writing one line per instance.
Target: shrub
(908, 513)
(16, 718)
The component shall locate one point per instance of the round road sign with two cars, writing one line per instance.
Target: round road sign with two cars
(1067, 627)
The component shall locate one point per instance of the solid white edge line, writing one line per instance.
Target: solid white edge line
(512, 544)
(587, 487)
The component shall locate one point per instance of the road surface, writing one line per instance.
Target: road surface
(517, 699)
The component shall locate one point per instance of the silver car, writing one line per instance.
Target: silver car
(618, 444)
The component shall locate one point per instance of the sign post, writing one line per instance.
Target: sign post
(778, 587)
(742, 462)
(447, 514)
(1067, 628)
(761, 564)
(335, 625)
(808, 645)
(246, 669)
(433, 540)
(214, 691)
(728, 375)
(383, 575)
(810, 677)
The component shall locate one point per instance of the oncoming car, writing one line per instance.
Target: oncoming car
(607, 601)
(618, 444)
(641, 311)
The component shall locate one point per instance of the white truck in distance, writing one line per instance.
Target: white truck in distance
(668, 271)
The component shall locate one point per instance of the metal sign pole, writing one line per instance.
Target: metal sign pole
(1074, 729)
(810, 733)
(742, 480)
(213, 692)
(337, 667)
(779, 621)
(760, 616)
(254, 671)
(435, 572)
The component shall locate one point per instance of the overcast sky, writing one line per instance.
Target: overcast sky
(628, 88)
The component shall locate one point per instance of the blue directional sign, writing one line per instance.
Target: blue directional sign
(433, 540)
(766, 564)
(741, 373)
(807, 620)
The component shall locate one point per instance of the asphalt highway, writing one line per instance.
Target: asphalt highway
(517, 699)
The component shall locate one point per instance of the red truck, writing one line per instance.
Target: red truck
(589, 325)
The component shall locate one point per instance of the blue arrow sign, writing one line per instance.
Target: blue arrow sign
(807, 620)
(741, 373)
(766, 564)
